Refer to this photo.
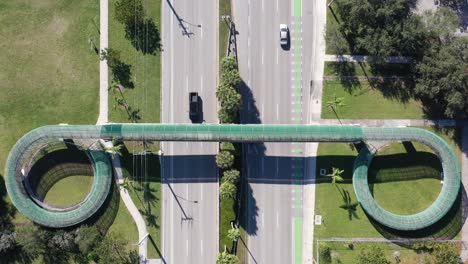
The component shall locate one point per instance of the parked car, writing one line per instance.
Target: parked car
(284, 35)
(194, 107)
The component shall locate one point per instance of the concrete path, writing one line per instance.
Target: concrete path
(361, 58)
(133, 210)
(464, 253)
(102, 119)
(131, 207)
(103, 70)
(390, 122)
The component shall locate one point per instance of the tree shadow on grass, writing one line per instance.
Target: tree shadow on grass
(346, 73)
(122, 73)
(144, 36)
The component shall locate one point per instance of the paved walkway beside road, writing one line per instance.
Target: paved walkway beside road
(103, 70)
(103, 119)
(361, 58)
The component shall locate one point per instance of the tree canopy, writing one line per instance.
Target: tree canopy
(381, 28)
(372, 255)
(442, 78)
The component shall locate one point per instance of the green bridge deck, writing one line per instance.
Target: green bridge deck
(232, 133)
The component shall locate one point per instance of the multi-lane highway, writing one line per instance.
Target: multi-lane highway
(189, 175)
(279, 89)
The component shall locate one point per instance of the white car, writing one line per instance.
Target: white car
(284, 34)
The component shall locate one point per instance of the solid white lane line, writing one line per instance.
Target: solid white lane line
(186, 83)
(201, 246)
(201, 33)
(277, 9)
(186, 244)
(263, 5)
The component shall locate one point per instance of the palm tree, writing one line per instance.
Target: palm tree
(126, 183)
(134, 116)
(115, 149)
(336, 175)
(335, 103)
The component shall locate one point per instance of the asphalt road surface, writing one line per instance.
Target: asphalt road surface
(277, 90)
(189, 174)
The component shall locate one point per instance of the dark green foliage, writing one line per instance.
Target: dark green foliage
(112, 250)
(336, 40)
(127, 11)
(372, 255)
(441, 24)
(228, 96)
(325, 254)
(86, 239)
(33, 240)
(142, 32)
(445, 253)
(381, 28)
(442, 79)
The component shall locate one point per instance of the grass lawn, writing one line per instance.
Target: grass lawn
(48, 74)
(145, 70)
(362, 101)
(224, 10)
(145, 191)
(405, 196)
(76, 188)
(226, 209)
(331, 21)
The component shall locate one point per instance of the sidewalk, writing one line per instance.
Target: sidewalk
(361, 58)
(103, 70)
(103, 119)
(391, 122)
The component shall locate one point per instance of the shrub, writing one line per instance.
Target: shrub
(224, 159)
(325, 254)
(372, 255)
(445, 253)
(231, 176)
(227, 191)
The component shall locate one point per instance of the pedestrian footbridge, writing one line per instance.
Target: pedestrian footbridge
(26, 150)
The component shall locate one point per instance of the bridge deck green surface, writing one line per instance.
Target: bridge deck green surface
(233, 133)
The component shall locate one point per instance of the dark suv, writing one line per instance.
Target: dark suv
(194, 107)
